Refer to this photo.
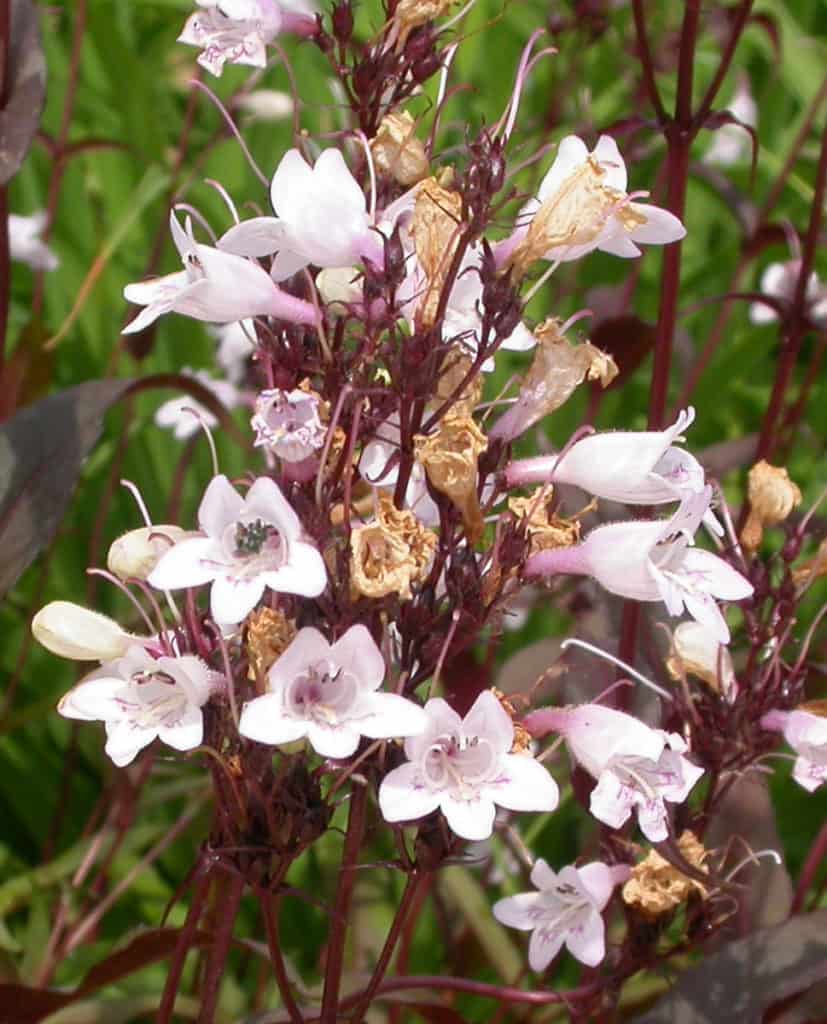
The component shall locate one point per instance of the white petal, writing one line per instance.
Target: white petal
(266, 500)
(334, 177)
(610, 802)
(542, 876)
(619, 245)
(291, 183)
(526, 785)
(357, 652)
(471, 819)
(488, 719)
(257, 237)
(599, 881)
(264, 721)
(187, 733)
(389, 716)
(124, 741)
(543, 947)
(305, 574)
(518, 911)
(661, 226)
(402, 797)
(571, 154)
(288, 262)
(231, 600)
(608, 156)
(337, 742)
(190, 563)
(93, 700)
(220, 506)
(588, 941)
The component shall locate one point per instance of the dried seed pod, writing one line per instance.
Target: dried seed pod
(772, 497)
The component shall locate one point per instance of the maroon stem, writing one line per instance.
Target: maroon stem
(182, 947)
(484, 990)
(270, 913)
(231, 891)
(817, 854)
(341, 908)
(646, 62)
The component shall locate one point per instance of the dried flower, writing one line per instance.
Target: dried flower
(268, 632)
(436, 229)
(454, 371)
(450, 457)
(410, 14)
(544, 529)
(397, 151)
(813, 568)
(772, 497)
(656, 887)
(391, 553)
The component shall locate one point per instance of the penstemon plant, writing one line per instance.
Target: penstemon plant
(300, 638)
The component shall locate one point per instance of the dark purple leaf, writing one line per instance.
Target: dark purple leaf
(740, 981)
(26, 89)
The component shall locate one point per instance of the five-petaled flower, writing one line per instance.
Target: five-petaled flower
(566, 910)
(806, 733)
(634, 765)
(328, 693)
(653, 560)
(250, 544)
(464, 767)
(139, 697)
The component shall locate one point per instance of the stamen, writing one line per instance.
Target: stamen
(600, 653)
(139, 501)
(196, 84)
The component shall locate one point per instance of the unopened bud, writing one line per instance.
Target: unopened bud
(266, 105)
(135, 554)
(75, 632)
(339, 287)
(772, 497)
(697, 652)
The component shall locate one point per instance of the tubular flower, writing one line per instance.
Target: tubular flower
(582, 204)
(139, 698)
(635, 767)
(463, 767)
(321, 218)
(328, 693)
(566, 910)
(288, 424)
(653, 560)
(249, 544)
(215, 286)
(806, 733)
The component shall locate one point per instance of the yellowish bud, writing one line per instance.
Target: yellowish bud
(772, 497)
(135, 554)
(75, 632)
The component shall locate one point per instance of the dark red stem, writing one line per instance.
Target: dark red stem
(230, 893)
(817, 854)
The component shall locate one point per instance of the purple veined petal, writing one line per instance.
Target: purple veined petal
(124, 741)
(808, 774)
(263, 720)
(232, 600)
(189, 563)
(488, 719)
(571, 155)
(304, 574)
(387, 715)
(333, 176)
(93, 700)
(543, 947)
(357, 652)
(607, 154)
(519, 911)
(442, 719)
(472, 819)
(661, 226)
(524, 785)
(403, 797)
(720, 579)
(187, 733)
(610, 801)
(587, 941)
(599, 881)
(220, 506)
(257, 237)
(265, 499)
(291, 183)
(334, 741)
(651, 817)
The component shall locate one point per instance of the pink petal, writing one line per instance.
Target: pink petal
(257, 237)
(543, 947)
(542, 876)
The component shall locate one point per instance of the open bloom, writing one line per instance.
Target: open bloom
(779, 281)
(288, 424)
(184, 415)
(464, 767)
(653, 560)
(25, 243)
(582, 204)
(321, 218)
(635, 766)
(215, 286)
(238, 31)
(249, 544)
(806, 733)
(328, 693)
(139, 698)
(566, 909)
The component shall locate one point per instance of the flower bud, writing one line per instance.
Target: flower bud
(75, 632)
(772, 497)
(397, 151)
(339, 287)
(266, 105)
(697, 652)
(135, 554)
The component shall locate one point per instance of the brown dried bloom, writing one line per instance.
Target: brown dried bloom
(454, 372)
(390, 553)
(545, 530)
(450, 457)
(436, 229)
(397, 151)
(814, 707)
(772, 496)
(521, 744)
(656, 887)
(813, 567)
(410, 14)
(269, 633)
(574, 214)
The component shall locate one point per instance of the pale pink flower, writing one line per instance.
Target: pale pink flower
(25, 243)
(184, 415)
(806, 733)
(139, 697)
(287, 423)
(649, 225)
(653, 560)
(779, 281)
(731, 143)
(635, 467)
(321, 219)
(238, 31)
(566, 909)
(329, 693)
(215, 286)
(464, 767)
(635, 766)
(249, 544)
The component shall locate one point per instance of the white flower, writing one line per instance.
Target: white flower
(567, 909)
(321, 218)
(215, 286)
(184, 415)
(731, 143)
(779, 281)
(328, 693)
(636, 767)
(250, 544)
(464, 767)
(25, 243)
(806, 733)
(287, 423)
(139, 698)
